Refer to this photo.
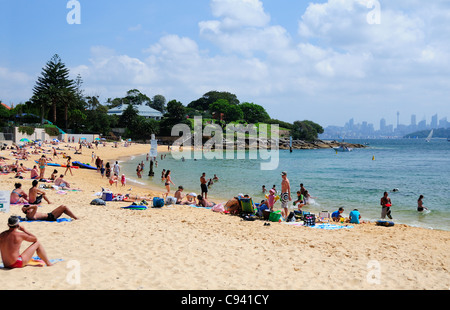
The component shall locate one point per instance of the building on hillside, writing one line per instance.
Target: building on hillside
(143, 110)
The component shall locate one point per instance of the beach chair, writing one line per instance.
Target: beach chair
(247, 205)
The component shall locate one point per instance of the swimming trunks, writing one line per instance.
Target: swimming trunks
(37, 201)
(284, 200)
(204, 188)
(51, 217)
(17, 264)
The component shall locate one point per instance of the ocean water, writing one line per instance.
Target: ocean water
(350, 180)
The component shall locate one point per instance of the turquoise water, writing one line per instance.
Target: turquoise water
(350, 180)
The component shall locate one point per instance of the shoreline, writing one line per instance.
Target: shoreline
(178, 247)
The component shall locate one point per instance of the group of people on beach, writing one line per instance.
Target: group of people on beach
(12, 239)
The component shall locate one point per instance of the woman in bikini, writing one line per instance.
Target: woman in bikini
(420, 206)
(18, 195)
(69, 165)
(168, 181)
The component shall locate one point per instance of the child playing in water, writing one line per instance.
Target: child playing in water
(123, 180)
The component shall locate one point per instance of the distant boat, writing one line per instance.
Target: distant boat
(430, 135)
(343, 148)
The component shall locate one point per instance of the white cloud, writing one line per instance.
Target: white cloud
(336, 64)
(14, 82)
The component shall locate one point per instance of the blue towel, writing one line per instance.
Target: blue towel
(195, 206)
(329, 226)
(60, 220)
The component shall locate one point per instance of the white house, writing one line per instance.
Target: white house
(143, 110)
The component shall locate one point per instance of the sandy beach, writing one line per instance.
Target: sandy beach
(186, 248)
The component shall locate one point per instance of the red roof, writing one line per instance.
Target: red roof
(6, 106)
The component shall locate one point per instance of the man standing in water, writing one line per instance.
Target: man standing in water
(386, 204)
(285, 195)
(203, 186)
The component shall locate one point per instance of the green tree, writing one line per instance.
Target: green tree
(306, 130)
(254, 113)
(202, 104)
(176, 114)
(159, 103)
(128, 116)
(54, 88)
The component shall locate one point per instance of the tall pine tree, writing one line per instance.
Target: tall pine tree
(54, 89)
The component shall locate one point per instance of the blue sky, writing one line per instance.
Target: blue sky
(326, 61)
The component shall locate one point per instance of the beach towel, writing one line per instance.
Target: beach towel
(37, 262)
(135, 207)
(195, 206)
(60, 220)
(330, 226)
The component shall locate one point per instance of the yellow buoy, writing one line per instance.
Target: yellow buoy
(373, 157)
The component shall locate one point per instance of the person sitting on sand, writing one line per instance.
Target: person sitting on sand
(18, 195)
(32, 214)
(54, 175)
(178, 195)
(35, 195)
(11, 241)
(355, 216)
(336, 215)
(34, 173)
(191, 199)
(61, 182)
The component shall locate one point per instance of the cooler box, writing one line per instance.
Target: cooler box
(107, 196)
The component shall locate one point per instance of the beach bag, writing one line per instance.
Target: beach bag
(98, 202)
(158, 202)
(275, 216)
(171, 200)
(310, 220)
(291, 217)
(218, 208)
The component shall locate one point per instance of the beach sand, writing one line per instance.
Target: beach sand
(186, 248)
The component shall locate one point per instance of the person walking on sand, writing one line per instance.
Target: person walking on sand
(386, 204)
(285, 195)
(116, 168)
(32, 214)
(69, 165)
(42, 165)
(11, 241)
(167, 183)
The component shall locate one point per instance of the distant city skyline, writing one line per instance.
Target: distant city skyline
(351, 129)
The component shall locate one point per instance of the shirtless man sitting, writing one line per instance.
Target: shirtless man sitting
(10, 242)
(35, 195)
(32, 214)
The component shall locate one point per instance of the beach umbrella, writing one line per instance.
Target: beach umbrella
(25, 140)
(56, 140)
(83, 138)
(97, 138)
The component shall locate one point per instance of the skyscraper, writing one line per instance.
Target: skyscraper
(434, 121)
(413, 120)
